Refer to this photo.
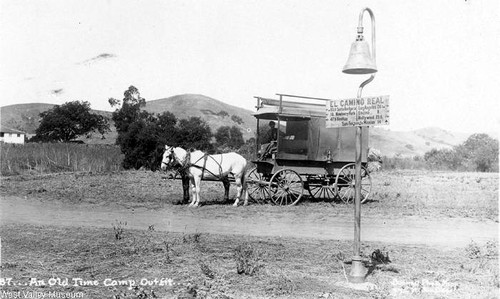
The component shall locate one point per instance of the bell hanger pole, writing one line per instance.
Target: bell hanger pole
(358, 270)
(360, 29)
(360, 35)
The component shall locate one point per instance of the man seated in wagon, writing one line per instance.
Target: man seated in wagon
(269, 141)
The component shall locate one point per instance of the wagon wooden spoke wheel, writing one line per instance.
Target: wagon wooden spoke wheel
(286, 187)
(258, 187)
(322, 188)
(345, 183)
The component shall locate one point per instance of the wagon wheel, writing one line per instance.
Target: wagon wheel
(345, 183)
(257, 186)
(324, 188)
(286, 187)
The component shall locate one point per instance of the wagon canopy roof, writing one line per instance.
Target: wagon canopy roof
(270, 109)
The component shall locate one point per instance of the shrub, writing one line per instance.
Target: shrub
(237, 119)
(248, 259)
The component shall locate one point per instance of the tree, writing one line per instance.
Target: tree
(229, 137)
(479, 153)
(141, 135)
(68, 121)
(222, 135)
(236, 140)
(194, 133)
(443, 159)
(130, 110)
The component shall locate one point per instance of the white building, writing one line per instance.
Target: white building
(9, 135)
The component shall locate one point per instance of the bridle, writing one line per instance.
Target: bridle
(182, 165)
(171, 156)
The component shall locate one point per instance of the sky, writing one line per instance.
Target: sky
(437, 60)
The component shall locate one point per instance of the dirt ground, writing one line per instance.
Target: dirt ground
(437, 217)
(254, 221)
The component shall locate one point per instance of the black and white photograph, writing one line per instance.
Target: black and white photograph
(249, 149)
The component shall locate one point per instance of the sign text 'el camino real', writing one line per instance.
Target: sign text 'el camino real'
(368, 111)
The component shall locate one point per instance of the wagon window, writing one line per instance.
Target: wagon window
(295, 139)
(297, 129)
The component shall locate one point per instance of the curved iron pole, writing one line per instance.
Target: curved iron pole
(358, 270)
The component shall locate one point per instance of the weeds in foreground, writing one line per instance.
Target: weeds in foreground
(136, 293)
(380, 261)
(143, 245)
(191, 238)
(482, 261)
(474, 251)
(341, 260)
(119, 229)
(279, 284)
(205, 269)
(248, 259)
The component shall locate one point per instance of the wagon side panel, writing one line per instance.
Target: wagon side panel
(341, 142)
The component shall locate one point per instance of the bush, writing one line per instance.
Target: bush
(478, 153)
(237, 119)
(248, 259)
(400, 162)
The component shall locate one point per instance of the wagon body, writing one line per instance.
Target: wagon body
(304, 142)
(305, 146)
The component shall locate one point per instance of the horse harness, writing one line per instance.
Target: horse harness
(186, 164)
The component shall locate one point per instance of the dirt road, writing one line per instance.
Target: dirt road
(253, 220)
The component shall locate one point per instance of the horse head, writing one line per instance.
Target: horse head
(172, 157)
(168, 158)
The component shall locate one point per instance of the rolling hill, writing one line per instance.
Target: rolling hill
(25, 117)
(214, 112)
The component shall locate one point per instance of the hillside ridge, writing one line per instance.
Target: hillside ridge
(216, 113)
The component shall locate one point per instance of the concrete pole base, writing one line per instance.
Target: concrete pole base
(358, 271)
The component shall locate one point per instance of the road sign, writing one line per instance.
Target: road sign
(368, 111)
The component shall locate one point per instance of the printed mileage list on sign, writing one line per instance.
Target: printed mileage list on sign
(368, 111)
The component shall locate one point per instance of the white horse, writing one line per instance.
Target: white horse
(199, 165)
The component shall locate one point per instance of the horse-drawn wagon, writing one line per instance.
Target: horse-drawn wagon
(305, 156)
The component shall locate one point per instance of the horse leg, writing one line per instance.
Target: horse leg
(185, 189)
(243, 183)
(237, 180)
(197, 182)
(244, 191)
(226, 183)
(193, 191)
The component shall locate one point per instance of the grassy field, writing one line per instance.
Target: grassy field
(43, 158)
(207, 266)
